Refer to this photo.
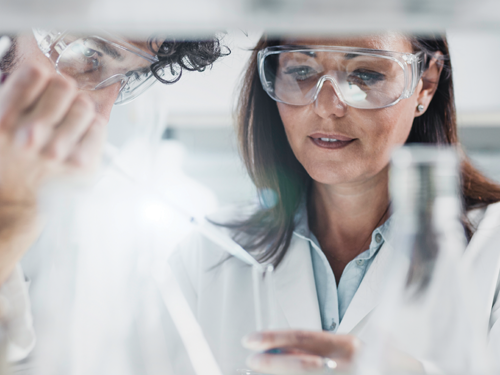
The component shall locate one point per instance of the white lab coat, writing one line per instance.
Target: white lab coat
(16, 310)
(220, 292)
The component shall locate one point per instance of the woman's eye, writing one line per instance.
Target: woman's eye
(365, 78)
(301, 73)
(88, 59)
(88, 52)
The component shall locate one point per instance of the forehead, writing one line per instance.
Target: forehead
(386, 41)
(144, 45)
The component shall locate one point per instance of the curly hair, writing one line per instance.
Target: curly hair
(191, 55)
(175, 55)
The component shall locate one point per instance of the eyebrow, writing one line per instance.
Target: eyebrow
(350, 56)
(347, 56)
(109, 49)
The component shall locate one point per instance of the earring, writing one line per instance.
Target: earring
(420, 107)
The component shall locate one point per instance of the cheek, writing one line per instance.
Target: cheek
(396, 124)
(390, 129)
(295, 120)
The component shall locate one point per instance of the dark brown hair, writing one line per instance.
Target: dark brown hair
(7, 62)
(273, 167)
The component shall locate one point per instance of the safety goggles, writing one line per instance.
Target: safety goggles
(362, 78)
(96, 62)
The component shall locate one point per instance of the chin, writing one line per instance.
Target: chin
(332, 178)
(336, 175)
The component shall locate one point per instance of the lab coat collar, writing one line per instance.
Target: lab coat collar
(296, 288)
(368, 293)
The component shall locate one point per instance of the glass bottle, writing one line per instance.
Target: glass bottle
(424, 315)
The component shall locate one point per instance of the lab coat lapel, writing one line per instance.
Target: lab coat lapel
(368, 294)
(296, 288)
(482, 254)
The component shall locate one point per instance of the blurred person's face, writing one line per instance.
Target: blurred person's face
(339, 144)
(27, 50)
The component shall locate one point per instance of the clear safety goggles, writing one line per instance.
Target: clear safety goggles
(96, 62)
(361, 78)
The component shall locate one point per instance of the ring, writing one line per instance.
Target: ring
(329, 364)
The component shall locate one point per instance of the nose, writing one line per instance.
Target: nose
(328, 100)
(105, 98)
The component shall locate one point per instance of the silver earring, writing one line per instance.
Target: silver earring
(420, 107)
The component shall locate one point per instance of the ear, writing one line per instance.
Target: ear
(429, 83)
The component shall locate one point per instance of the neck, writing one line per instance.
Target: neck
(343, 217)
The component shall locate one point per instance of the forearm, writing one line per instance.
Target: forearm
(19, 229)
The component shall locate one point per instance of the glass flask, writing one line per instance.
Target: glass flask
(424, 313)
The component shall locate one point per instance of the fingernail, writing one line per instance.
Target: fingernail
(252, 341)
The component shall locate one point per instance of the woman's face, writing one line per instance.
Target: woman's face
(365, 137)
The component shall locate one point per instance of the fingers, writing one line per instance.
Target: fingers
(57, 102)
(20, 91)
(88, 152)
(320, 343)
(70, 131)
(35, 100)
(297, 363)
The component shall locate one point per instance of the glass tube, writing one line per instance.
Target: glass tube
(424, 307)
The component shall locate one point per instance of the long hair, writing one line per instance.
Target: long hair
(273, 167)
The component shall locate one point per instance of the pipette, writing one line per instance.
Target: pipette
(205, 228)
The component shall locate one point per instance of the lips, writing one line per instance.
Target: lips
(330, 141)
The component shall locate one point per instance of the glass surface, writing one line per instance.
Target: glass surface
(425, 306)
(360, 79)
(96, 62)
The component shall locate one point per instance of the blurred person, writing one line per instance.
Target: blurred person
(56, 96)
(318, 120)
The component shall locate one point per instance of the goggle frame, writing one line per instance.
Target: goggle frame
(52, 45)
(411, 63)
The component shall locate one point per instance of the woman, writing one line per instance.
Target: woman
(317, 126)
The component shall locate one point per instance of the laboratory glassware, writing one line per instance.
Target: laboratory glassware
(425, 304)
(362, 78)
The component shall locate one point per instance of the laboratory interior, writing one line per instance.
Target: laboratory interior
(249, 187)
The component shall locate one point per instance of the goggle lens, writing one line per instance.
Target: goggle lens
(359, 80)
(96, 63)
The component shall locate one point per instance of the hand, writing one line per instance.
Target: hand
(300, 352)
(47, 129)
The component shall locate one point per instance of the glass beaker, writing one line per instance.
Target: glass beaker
(424, 308)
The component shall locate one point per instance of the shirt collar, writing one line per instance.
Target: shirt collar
(379, 235)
